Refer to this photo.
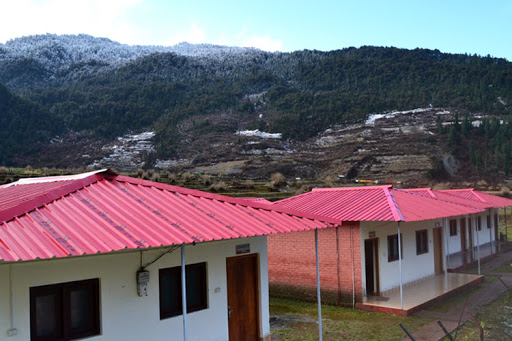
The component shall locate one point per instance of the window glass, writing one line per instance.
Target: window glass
(421, 242)
(393, 247)
(46, 311)
(453, 227)
(64, 311)
(170, 290)
(80, 308)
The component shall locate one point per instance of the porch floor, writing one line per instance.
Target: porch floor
(460, 260)
(420, 294)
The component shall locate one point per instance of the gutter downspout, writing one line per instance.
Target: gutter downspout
(320, 336)
(400, 268)
(184, 292)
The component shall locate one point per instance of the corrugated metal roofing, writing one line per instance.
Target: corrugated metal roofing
(373, 203)
(477, 196)
(105, 212)
(442, 195)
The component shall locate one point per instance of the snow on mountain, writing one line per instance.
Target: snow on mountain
(57, 51)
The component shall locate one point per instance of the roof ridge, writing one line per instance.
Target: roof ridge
(352, 188)
(397, 214)
(55, 194)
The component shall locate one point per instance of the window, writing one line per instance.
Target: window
(393, 247)
(64, 311)
(421, 242)
(170, 290)
(496, 220)
(488, 221)
(453, 227)
(479, 223)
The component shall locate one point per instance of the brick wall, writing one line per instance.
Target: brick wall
(292, 264)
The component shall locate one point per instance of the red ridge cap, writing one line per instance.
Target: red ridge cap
(231, 200)
(350, 188)
(393, 205)
(53, 195)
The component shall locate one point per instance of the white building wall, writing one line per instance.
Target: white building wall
(414, 266)
(125, 315)
(454, 243)
(484, 235)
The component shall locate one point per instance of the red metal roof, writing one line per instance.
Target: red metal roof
(373, 203)
(481, 197)
(105, 212)
(443, 195)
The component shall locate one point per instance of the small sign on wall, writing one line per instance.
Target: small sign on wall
(371, 234)
(243, 248)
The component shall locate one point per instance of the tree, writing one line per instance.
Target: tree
(453, 137)
(439, 125)
(466, 127)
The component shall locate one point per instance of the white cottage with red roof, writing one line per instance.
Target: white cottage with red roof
(393, 251)
(100, 256)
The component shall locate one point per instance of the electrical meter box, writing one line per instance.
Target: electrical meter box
(142, 282)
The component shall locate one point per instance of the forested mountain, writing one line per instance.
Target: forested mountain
(94, 85)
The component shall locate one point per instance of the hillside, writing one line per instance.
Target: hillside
(200, 105)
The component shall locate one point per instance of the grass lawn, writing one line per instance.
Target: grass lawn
(295, 320)
(496, 320)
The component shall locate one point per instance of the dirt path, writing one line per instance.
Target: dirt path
(474, 303)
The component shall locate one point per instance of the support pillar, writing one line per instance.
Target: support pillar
(184, 292)
(400, 268)
(320, 336)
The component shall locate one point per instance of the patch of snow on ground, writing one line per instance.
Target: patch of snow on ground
(502, 101)
(163, 164)
(259, 134)
(128, 152)
(373, 117)
(445, 112)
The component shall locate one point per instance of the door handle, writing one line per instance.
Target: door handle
(229, 311)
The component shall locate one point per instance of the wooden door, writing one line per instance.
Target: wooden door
(243, 299)
(438, 250)
(371, 266)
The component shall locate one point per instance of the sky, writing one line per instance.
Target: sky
(453, 26)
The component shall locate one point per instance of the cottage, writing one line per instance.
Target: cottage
(109, 257)
(393, 251)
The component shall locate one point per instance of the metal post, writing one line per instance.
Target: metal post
(400, 268)
(506, 228)
(445, 256)
(184, 292)
(490, 229)
(477, 243)
(320, 337)
(448, 241)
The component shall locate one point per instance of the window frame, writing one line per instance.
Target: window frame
(479, 223)
(62, 292)
(421, 248)
(391, 256)
(453, 227)
(488, 221)
(176, 273)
